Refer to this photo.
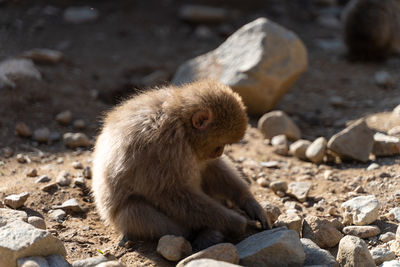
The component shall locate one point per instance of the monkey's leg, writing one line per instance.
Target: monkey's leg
(220, 179)
(137, 218)
(206, 238)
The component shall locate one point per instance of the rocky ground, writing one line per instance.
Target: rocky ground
(134, 45)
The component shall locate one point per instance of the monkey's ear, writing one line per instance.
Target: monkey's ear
(201, 119)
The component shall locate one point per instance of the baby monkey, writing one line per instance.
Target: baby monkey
(158, 165)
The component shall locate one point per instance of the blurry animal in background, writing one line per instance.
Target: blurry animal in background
(158, 165)
(371, 28)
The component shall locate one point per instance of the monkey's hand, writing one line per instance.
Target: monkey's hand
(256, 212)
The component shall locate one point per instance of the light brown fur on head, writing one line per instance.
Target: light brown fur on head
(157, 168)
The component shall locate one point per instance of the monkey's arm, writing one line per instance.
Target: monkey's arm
(220, 178)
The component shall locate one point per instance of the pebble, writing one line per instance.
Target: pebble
(43, 55)
(278, 123)
(384, 79)
(77, 165)
(291, 221)
(41, 135)
(394, 214)
(173, 248)
(323, 232)
(74, 140)
(278, 186)
(79, 124)
(49, 188)
(298, 148)
(270, 164)
(262, 182)
(82, 14)
(79, 181)
(12, 70)
(381, 255)
(21, 158)
(23, 130)
(16, 201)
(57, 215)
(90, 262)
(373, 166)
(272, 211)
(64, 117)
(63, 178)
(393, 263)
(299, 190)
(210, 263)
(87, 172)
(37, 222)
(316, 151)
(386, 237)
(70, 206)
(42, 179)
(362, 210)
(202, 14)
(32, 173)
(354, 252)
(385, 145)
(60, 160)
(7, 152)
(362, 231)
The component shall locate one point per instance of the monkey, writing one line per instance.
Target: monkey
(159, 168)
(371, 28)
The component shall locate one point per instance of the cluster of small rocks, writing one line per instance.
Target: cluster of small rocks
(356, 142)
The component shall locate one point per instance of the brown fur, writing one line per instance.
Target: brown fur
(156, 165)
(371, 28)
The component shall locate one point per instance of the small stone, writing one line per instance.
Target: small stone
(202, 14)
(49, 188)
(315, 256)
(79, 124)
(359, 189)
(362, 231)
(37, 222)
(381, 255)
(64, 118)
(32, 262)
(262, 182)
(16, 201)
(42, 55)
(43, 179)
(87, 172)
(89, 262)
(14, 70)
(210, 263)
(225, 252)
(272, 211)
(9, 215)
(82, 14)
(70, 206)
(395, 131)
(299, 190)
(74, 140)
(280, 144)
(270, 164)
(316, 151)
(23, 130)
(323, 232)
(373, 166)
(385, 145)
(111, 264)
(278, 186)
(362, 210)
(353, 252)
(60, 160)
(77, 165)
(386, 237)
(41, 135)
(384, 79)
(79, 181)
(32, 173)
(298, 148)
(7, 152)
(291, 221)
(63, 178)
(173, 248)
(265, 249)
(394, 214)
(393, 263)
(278, 123)
(57, 215)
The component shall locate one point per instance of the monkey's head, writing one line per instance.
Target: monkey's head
(214, 116)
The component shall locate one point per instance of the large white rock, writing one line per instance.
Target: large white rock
(353, 252)
(9, 215)
(317, 256)
(278, 123)
(260, 61)
(361, 210)
(19, 239)
(355, 142)
(225, 252)
(321, 231)
(277, 247)
(381, 255)
(385, 145)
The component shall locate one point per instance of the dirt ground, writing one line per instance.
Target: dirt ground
(106, 59)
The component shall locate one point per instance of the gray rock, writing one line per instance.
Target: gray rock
(298, 148)
(74, 140)
(386, 237)
(32, 262)
(278, 186)
(202, 14)
(173, 248)
(13, 70)
(385, 145)
(384, 79)
(393, 263)
(81, 14)
(49, 188)
(57, 261)
(41, 135)
(321, 231)
(270, 164)
(277, 123)
(299, 190)
(291, 221)
(42, 179)
(23, 130)
(381, 255)
(362, 231)
(9, 215)
(63, 178)
(57, 215)
(395, 247)
(111, 264)
(225, 252)
(317, 256)
(64, 117)
(280, 144)
(37, 222)
(362, 210)
(355, 142)
(42, 55)
(260, 61)
(16, 201)
(70, 206)
(19, 239)
(353, 252)
(90, 262)
(210, 263)
(272, 248)
(394, 214)
(316, 151)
